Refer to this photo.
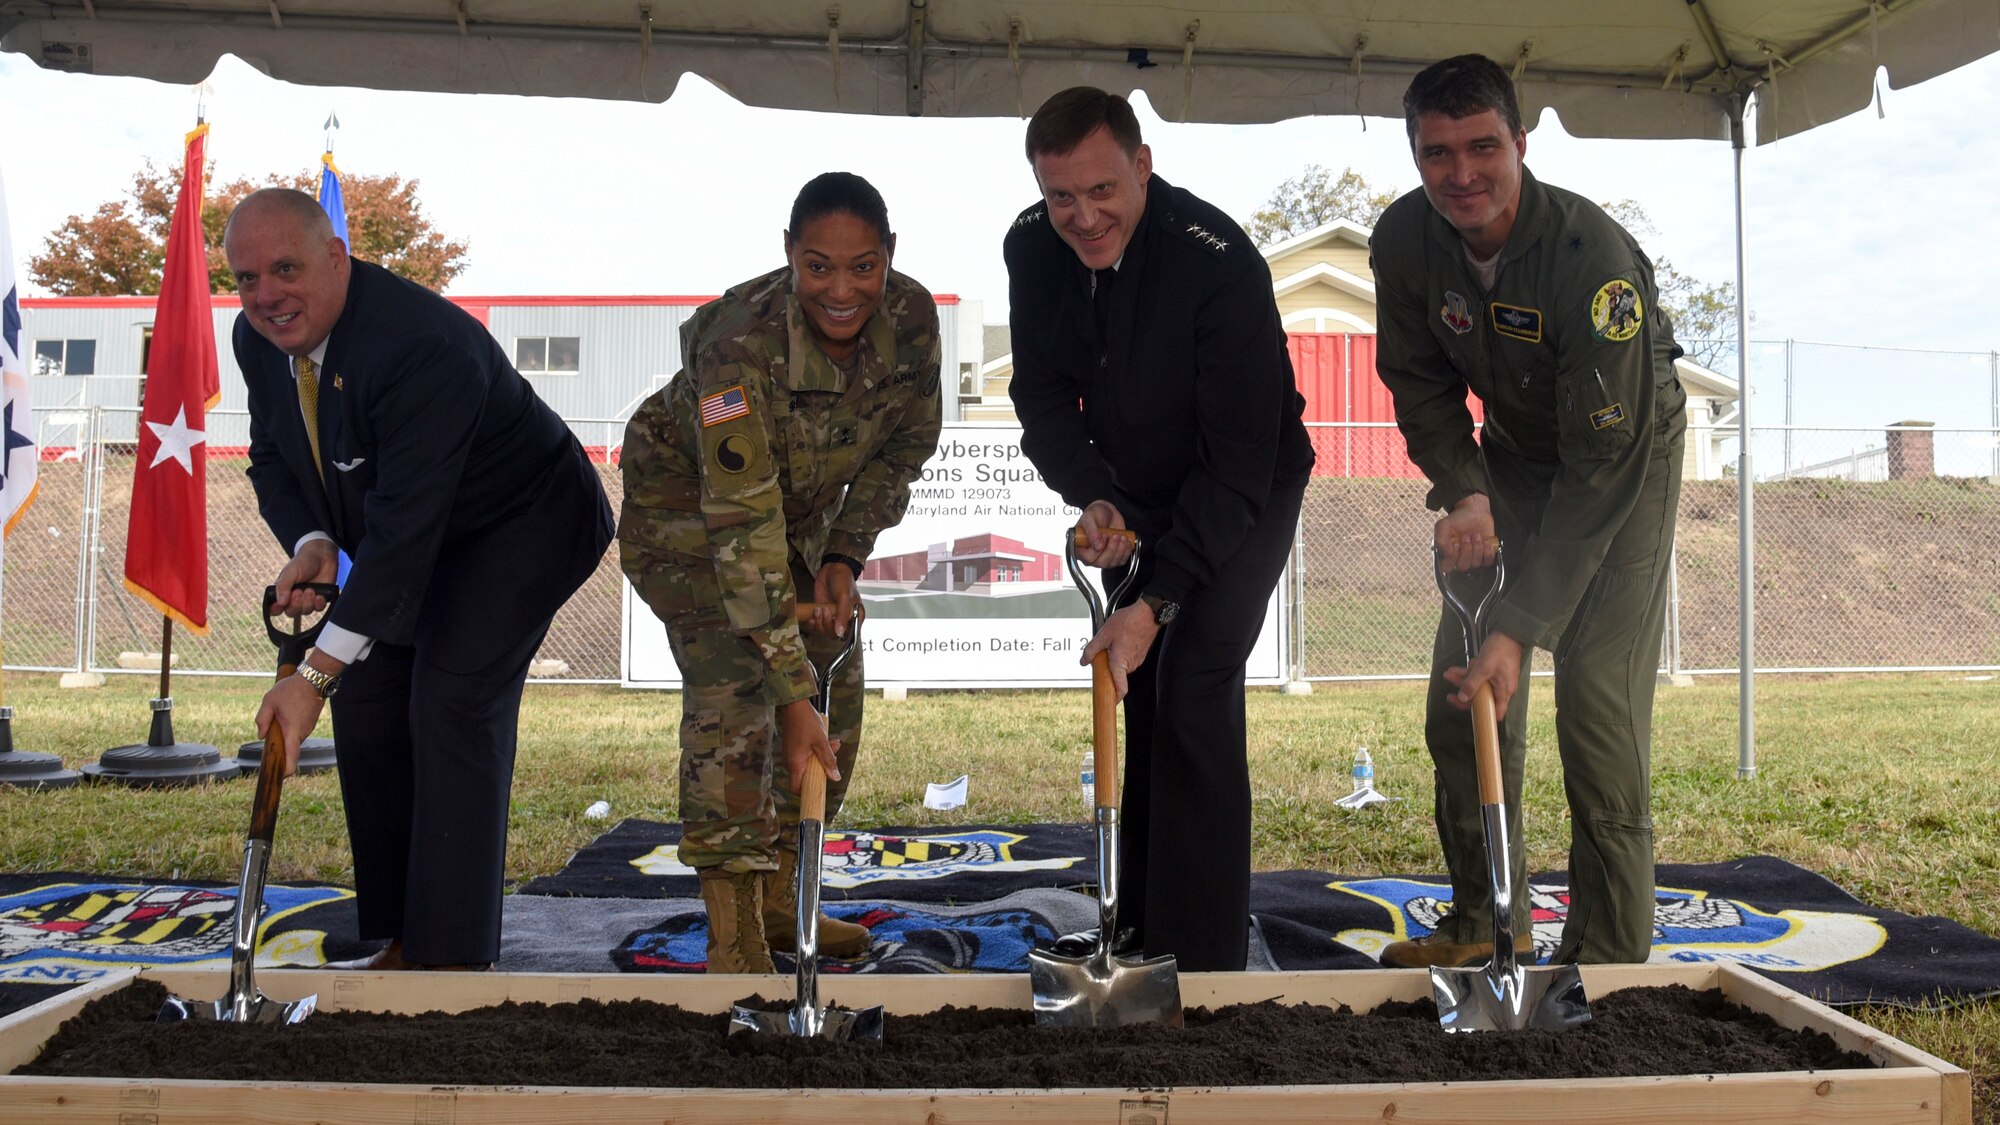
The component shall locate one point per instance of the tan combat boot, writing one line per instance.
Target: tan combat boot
(735, 923)
(781, 930)
(1440, 950)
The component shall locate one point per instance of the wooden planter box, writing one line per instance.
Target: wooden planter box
(1907, 1086)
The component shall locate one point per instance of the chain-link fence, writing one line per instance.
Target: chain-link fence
(1896, 570)
(1877, 546)
(67, 608)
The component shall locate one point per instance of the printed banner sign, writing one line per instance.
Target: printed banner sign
(970, 589)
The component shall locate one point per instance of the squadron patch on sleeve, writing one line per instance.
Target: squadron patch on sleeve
(1517, 322)
(723, 406)
(1614, 311)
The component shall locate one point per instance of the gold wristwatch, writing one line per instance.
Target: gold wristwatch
(321, 682)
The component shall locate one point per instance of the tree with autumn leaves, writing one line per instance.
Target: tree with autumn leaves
(120, 249)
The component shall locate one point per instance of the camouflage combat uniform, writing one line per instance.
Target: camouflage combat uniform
(761, 458)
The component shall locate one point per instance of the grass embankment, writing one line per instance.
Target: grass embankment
(1886, 785)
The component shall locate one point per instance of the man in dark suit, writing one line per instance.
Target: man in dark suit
(1155, 393)
(386, 422)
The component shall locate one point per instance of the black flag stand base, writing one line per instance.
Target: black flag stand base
(27, 769)
(160, 761)
(315, 756)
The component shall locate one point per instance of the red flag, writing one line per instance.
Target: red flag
(166, 544)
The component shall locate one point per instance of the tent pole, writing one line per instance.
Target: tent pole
(1746, 554)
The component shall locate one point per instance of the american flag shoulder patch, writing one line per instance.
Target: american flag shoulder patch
(724, 405)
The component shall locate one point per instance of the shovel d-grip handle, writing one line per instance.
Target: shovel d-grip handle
(292, 644)
(1079, 538)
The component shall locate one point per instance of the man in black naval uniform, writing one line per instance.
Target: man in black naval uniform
(1155, 393)
(1546, 309)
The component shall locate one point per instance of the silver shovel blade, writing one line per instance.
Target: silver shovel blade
(261, 1009)
(1104, 991)
(1546, 999)
(835, 1024)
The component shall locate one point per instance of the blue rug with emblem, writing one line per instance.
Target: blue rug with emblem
(972, 863)
(977, 899)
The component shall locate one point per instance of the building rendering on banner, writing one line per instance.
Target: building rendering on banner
(978, 564)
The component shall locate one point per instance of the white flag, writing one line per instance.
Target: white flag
(18, 460)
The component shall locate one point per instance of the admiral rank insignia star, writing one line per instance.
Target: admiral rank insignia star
(723, 406)
(1517, 322)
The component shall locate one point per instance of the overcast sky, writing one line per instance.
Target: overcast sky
(1859, 232)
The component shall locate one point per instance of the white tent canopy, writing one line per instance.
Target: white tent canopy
(1613, 68)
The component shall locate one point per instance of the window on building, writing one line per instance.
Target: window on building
(551, 355)
(65, 357)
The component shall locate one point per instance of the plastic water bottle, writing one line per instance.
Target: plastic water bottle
(1364, 771)
(1087, 777)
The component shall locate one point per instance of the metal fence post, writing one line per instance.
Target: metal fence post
(1993, 376)
(1788, 408)
(1746, 477)
(1295, 619)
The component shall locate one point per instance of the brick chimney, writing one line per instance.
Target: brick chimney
(1910, 456)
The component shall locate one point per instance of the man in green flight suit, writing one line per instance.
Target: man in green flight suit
(1546, 309)
(806, 404)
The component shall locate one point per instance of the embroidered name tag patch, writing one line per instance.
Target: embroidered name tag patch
(1615, 311)
(1515, 321)
(721, 407)
(1608, 417)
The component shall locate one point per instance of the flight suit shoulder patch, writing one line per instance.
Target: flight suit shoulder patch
(1615, 311)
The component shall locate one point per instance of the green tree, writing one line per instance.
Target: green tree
(121, 248)
(1314, 198)
(1704, 315)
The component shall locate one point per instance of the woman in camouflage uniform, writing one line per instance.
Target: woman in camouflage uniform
(806, 403)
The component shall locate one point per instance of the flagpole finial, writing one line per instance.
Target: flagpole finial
(332, 123)
(201, 92)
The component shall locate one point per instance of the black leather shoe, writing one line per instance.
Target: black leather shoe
(1125, 942)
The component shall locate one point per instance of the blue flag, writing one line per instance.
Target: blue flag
(336, 209)
(329, 197)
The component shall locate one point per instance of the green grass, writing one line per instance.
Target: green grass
(1887, 785)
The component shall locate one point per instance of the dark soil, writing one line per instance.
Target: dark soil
(1648, 1031)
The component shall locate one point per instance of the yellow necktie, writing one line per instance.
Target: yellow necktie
(309, 406)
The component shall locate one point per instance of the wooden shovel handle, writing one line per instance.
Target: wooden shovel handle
(1081, 539)
(1103, 731)
(270, 776)
(1486, 746)
(812, 794)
